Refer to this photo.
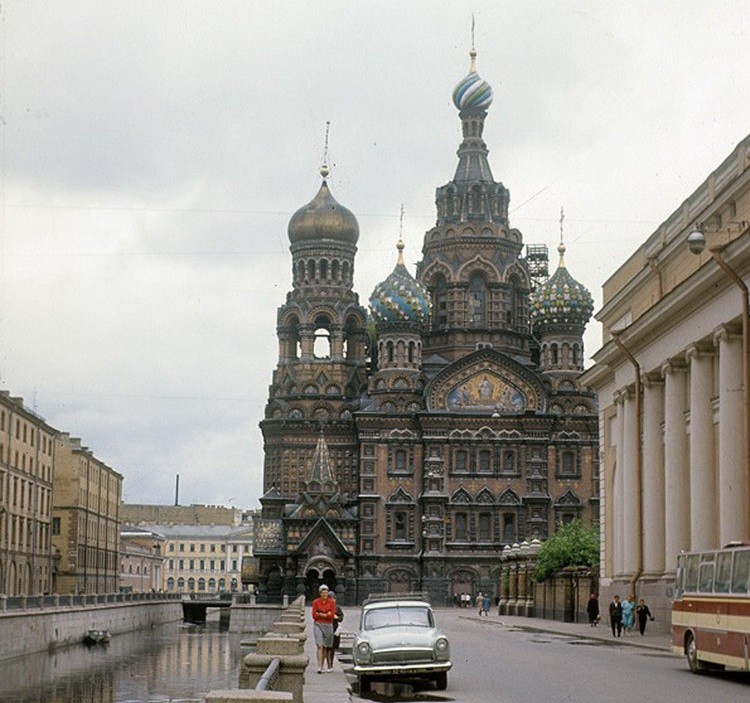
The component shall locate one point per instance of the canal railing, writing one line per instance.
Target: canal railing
(43, 602)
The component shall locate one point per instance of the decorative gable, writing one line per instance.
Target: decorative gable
(487, 382)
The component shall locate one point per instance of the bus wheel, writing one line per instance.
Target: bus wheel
(691, 653)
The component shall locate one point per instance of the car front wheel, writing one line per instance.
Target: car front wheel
(441, 680)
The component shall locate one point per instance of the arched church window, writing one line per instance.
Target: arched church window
(345, 272)
(324, 270)
(477, 295)
(411, 352)
(310, 270)
(389, 351)
(335, 270)
(322, 338)
(301, 271)
(576, 355)
(440, 301)
(555, 354)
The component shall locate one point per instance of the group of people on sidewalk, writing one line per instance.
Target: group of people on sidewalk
(327, 616)
(622, 614)
(483, 603)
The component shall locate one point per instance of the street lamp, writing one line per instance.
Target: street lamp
(696, 241)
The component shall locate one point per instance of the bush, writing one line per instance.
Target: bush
(572, 545)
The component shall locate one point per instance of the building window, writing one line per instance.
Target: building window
(485, 463)
(568, 464)
(462, 460)
(509, 461)
(509, 528)
(55, 525)
(439, 302)
(461, 527)
(399, 460)
(485, 527)
(399, 526)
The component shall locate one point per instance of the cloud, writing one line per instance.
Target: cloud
(154, 152)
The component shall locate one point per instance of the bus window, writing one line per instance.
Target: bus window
(706, 580)
(741, 572)
(722, 579)
(679, 576)
(691, 573)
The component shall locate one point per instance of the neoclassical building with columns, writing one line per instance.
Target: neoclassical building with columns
(669, 378)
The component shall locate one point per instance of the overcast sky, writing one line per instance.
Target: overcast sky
(153, 152)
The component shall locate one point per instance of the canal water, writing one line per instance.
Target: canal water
(176, 662)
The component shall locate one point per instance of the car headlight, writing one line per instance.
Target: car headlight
(442, 648)
(362, 652)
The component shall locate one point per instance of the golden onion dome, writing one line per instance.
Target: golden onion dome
(323, 218)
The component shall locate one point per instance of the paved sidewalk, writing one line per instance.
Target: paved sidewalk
(601, 633)
(334, 687)
(331, 687)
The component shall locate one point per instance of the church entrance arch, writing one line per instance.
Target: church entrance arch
(462, 582)
(318, 572)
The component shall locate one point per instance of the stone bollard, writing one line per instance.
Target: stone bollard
(248, 696)
(289, 628)
(291, 672)
(279, 645)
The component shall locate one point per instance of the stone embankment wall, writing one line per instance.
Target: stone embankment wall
(284, 641)
(24, 631)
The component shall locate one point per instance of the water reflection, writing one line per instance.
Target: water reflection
(170, 663)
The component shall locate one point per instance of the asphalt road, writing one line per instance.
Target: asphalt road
(497, 664)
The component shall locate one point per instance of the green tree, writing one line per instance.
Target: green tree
(572, 545)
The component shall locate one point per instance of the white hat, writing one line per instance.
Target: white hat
(323, 587)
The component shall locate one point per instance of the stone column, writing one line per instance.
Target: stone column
(653, 475)
(703, 525)
(618, 487)
(732, 508)
(629, 495)
(676, 479)
(307, 342)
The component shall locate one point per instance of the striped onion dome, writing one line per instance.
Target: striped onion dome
(472, 93)
(560, 300)
(400, 297)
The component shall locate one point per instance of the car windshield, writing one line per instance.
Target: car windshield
(415, 616)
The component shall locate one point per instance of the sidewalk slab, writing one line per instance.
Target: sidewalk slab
(331, 687)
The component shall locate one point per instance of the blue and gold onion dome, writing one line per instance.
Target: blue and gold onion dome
(400, 297)
(472, 93)
(560, 300)
(323, 218)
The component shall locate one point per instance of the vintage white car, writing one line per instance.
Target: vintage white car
(398, 640)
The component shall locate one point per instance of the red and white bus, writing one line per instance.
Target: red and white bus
(711, 609)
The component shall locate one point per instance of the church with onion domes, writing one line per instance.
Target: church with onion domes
(407, 443)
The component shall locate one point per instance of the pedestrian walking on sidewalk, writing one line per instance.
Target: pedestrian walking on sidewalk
(628, 614)
(643, 615)
(330, 651)
(615, 616)
(323, 613)
(592, 609)
(486, 603)
(479, 602)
